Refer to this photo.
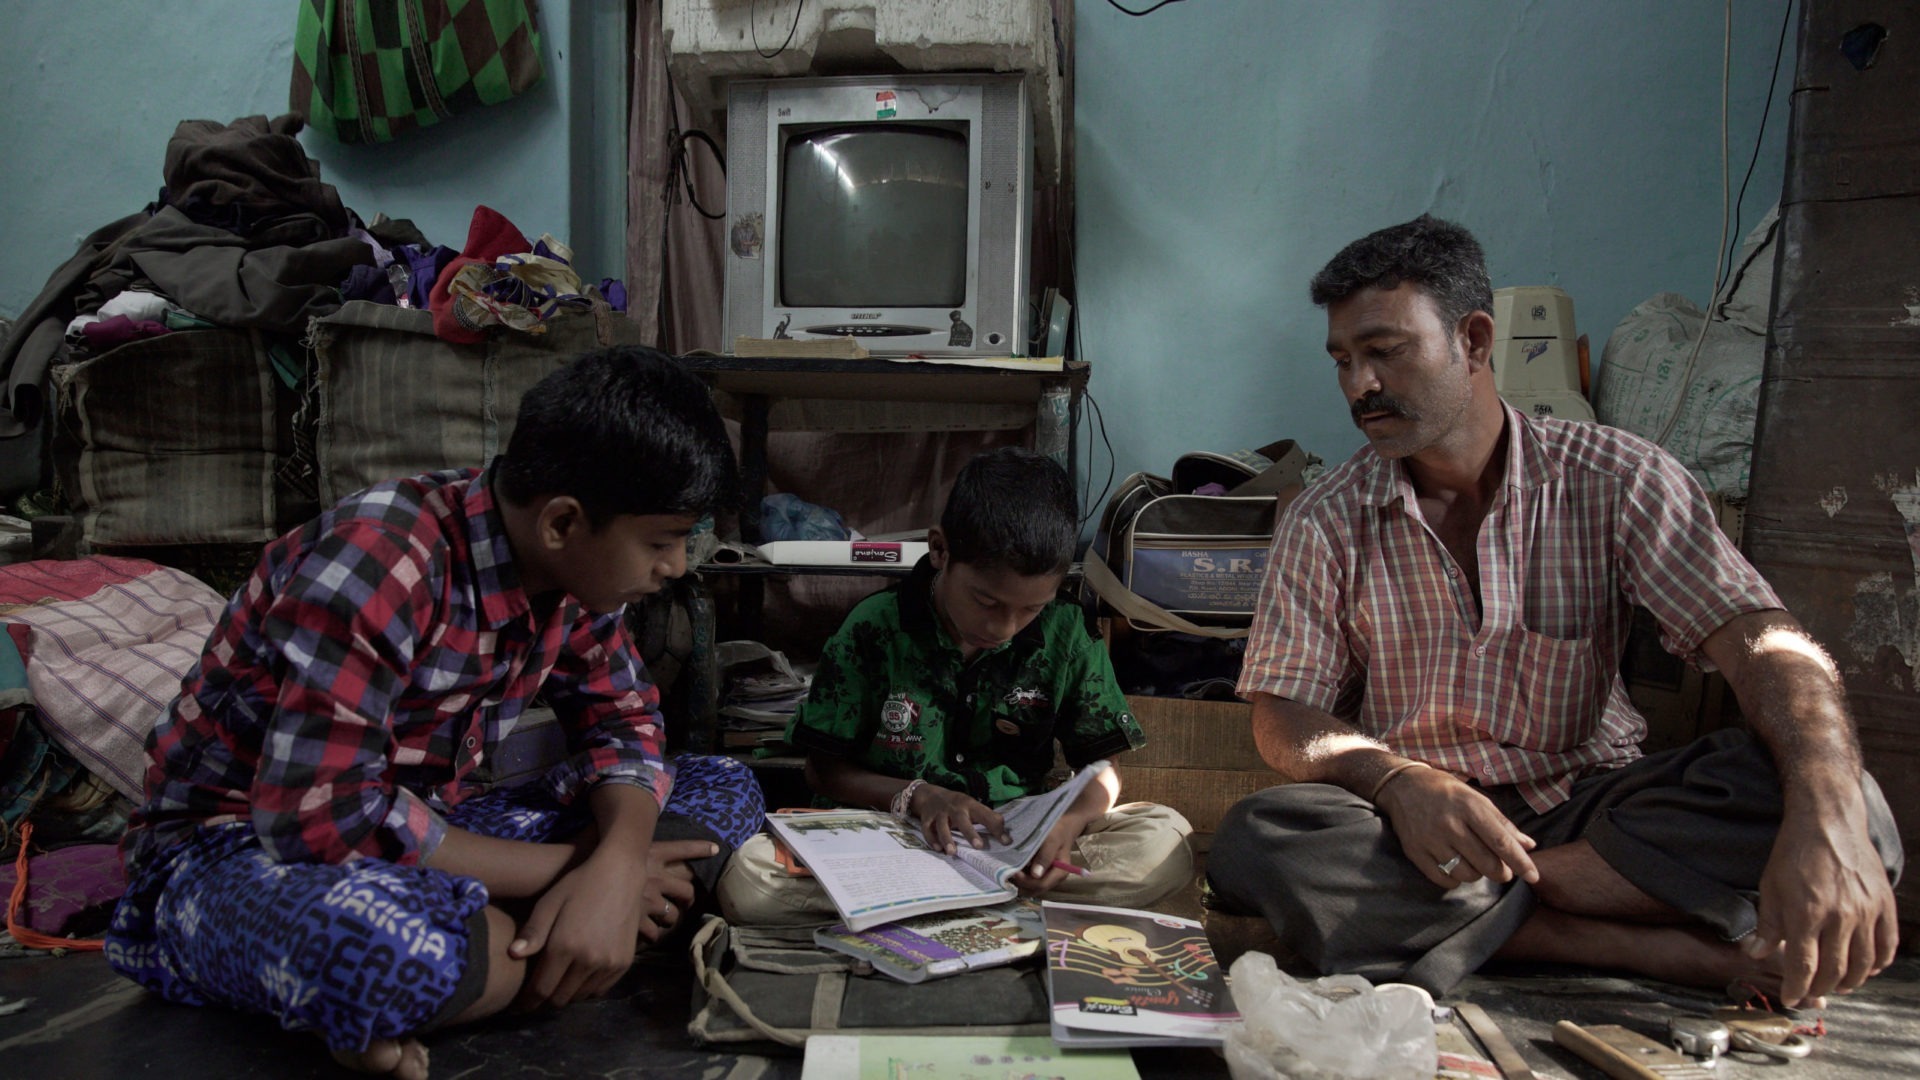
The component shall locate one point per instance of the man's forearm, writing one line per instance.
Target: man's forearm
(1307, 745)
(1791, 695)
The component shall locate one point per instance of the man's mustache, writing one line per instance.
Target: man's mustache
(1378, 402)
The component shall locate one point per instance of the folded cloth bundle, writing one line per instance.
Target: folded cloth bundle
(520, 291)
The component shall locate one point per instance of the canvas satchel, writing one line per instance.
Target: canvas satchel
(760, 989)
(1166, 559)
(366, 70)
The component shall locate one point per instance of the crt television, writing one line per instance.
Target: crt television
(893, 209)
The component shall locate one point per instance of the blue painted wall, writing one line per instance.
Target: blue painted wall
(1226, 149)
(90, 91)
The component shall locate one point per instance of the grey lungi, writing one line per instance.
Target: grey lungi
(1691, 827)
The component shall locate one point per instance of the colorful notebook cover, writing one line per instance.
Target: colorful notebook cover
(1116, 976)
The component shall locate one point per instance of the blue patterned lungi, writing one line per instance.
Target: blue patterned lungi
(366, 949)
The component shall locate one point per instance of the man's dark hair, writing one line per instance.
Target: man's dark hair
(1012, 508)
(1440, 257)
(625, 430)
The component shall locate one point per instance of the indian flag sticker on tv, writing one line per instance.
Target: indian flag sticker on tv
(883, 105)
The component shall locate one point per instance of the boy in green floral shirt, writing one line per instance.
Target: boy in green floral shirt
(943, 697)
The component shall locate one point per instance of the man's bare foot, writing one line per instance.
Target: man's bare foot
(402, 1058)
(1686, 956)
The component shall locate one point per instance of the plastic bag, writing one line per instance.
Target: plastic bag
(790, 517)
(1336, 1028)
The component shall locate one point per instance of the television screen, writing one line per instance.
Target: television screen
(873, 215)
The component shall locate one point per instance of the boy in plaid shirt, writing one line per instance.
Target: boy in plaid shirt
(314, 844)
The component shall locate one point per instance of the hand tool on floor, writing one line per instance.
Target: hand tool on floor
(1764, 1033)
(1700, 1037)
(1626, 1054)
(1505, 1058)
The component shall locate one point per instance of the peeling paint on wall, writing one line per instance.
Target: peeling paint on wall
(1881, 616)
(1913, 310)
(1834, 501)
(1879, 620)
(1907, 501)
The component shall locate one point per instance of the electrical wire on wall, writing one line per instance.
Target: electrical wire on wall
(1723, 253)
(753, 16)
(680, 179)
(1138, 14)
(1759, 137)
(1096, 504)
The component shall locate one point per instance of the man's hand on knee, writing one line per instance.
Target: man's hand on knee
(1453, 833)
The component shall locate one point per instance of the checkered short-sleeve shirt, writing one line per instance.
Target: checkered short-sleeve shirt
(375, 659)
(1365, 615)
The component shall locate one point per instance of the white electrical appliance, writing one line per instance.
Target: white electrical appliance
(1536, 355)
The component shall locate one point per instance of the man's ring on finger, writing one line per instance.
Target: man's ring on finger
(1447, 867)
(666, 906)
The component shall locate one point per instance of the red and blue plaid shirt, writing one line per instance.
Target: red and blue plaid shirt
(1366, 616)
(376, 657)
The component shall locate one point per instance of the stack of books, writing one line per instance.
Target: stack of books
(759, 691)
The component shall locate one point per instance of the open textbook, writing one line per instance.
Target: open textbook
(877, 868)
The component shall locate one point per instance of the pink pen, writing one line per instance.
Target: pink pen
(1077, 871)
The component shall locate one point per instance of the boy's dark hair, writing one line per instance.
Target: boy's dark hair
(1440, 257)
(625, 430)
(1014, 508)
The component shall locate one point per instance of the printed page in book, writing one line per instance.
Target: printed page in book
(877, 868)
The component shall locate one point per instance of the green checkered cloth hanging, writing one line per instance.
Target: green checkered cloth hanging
(366, 70)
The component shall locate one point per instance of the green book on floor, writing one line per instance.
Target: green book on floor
(958, 1057)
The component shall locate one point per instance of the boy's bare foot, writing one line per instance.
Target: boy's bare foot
(403, 1058)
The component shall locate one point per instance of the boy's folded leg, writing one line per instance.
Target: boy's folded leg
(720, 794)
(1135, 856)
(714, 798)
(352, 952)
(755, 890)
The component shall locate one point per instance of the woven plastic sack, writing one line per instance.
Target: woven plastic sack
(365, 71)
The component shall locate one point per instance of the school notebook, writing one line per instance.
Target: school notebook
(957, 1057)
(1120, 977)
(877, 868)
(945, 943)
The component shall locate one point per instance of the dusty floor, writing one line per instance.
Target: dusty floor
(83, 1021)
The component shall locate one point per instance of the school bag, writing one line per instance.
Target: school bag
(764, 989)
(1169, 560)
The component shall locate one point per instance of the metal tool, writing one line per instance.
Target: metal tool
(1699, 1037)
(1766, 1033)
(1505, 1058)
(1791, 1048)
(1626, 1054)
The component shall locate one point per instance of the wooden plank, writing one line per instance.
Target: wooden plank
(1835, 445)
